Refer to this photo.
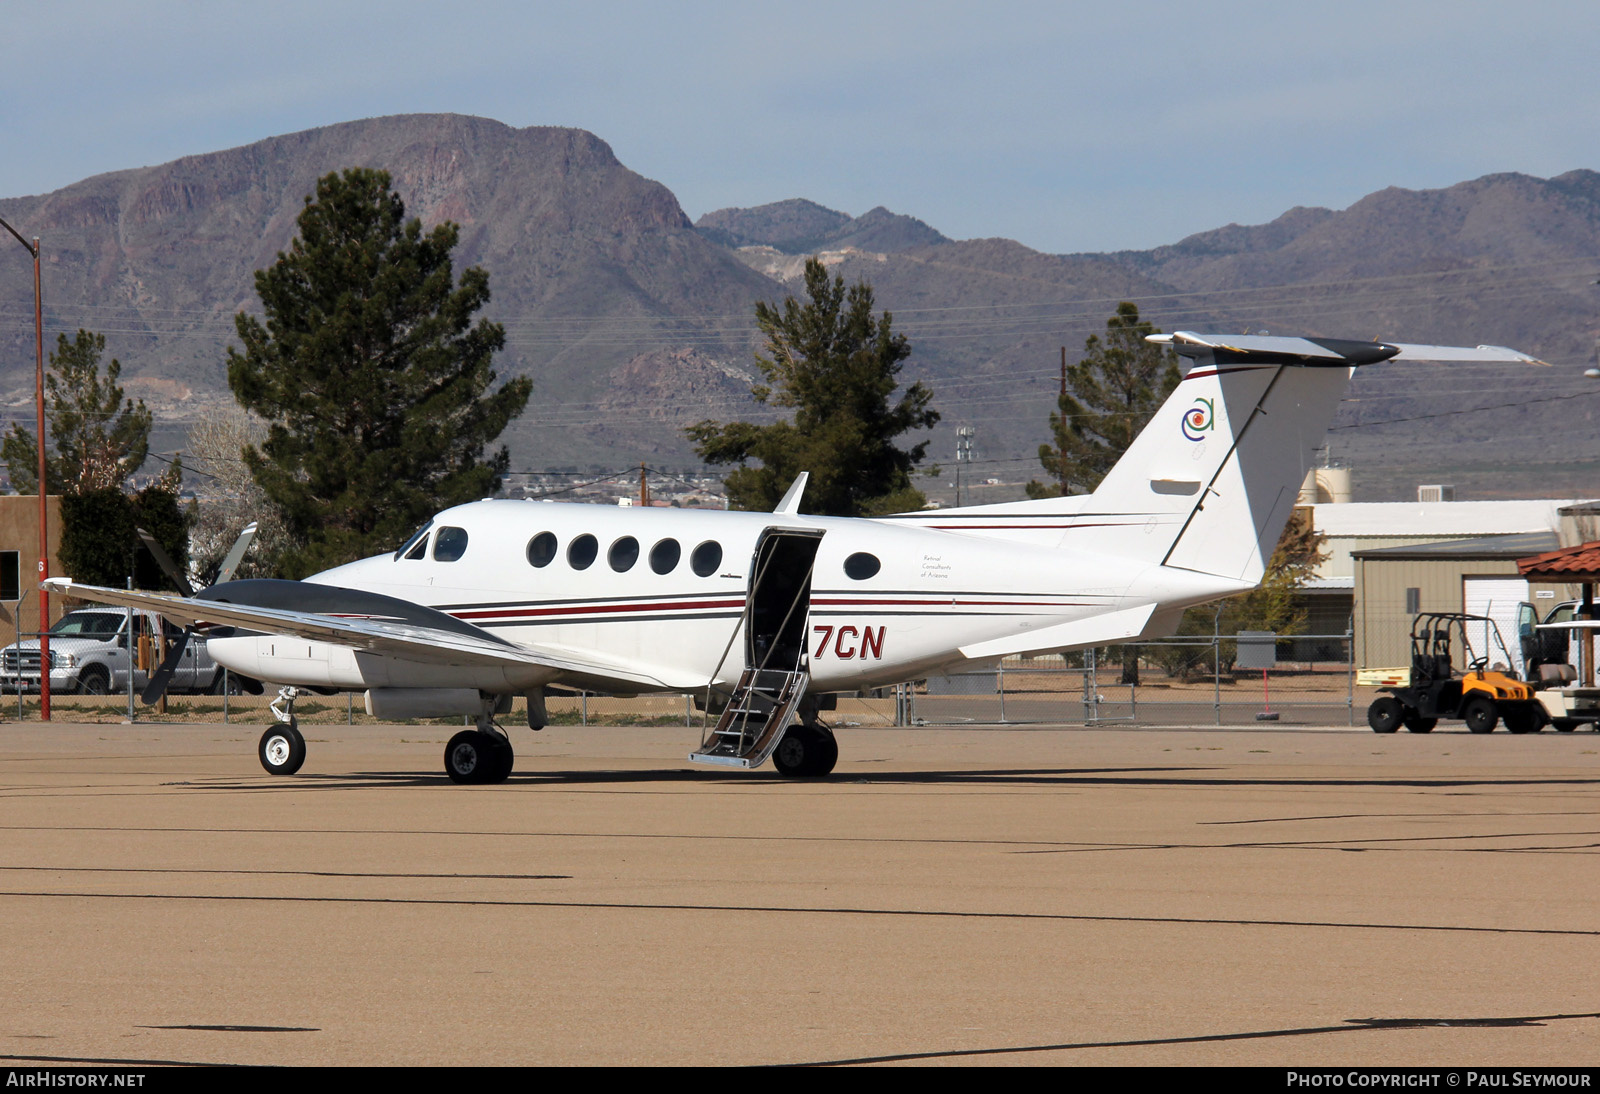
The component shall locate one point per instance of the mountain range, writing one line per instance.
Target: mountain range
(633, 321)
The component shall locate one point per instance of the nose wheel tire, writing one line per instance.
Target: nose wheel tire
(282, 749)
(806, 752)
(474, 757)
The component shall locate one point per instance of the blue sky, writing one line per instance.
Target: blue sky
(1067, 126)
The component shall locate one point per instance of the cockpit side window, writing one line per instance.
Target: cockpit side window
(416, 545)
(450, 544)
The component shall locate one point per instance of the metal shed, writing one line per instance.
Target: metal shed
(1472, 575)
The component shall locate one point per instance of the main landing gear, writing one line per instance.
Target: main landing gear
(809, 748)
(478, 756)
(483, 754)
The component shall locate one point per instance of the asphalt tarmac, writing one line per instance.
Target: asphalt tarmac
(950, 896)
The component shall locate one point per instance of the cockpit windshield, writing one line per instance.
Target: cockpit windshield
(416, 537)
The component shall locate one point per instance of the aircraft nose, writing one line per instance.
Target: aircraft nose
(354, 575)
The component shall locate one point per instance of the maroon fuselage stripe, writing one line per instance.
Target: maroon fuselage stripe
(948, 602)
(606, 609)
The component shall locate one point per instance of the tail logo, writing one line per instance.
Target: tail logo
(1197, 420)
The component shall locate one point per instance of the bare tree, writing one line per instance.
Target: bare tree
(228, 495)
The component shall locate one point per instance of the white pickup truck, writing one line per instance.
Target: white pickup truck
(89, 654)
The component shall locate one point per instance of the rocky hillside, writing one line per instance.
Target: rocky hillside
(590, 264)
(633, 321)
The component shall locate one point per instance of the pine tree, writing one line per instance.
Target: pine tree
(100, 438)
(837, 367)
(371, 376)
(1111, 393)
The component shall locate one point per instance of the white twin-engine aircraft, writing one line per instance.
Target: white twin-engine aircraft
(766, 615)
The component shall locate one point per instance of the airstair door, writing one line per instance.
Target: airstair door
(776, 664)
(780, 600)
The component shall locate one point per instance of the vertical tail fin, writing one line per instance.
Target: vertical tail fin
(1216, 472)
(1210, 482)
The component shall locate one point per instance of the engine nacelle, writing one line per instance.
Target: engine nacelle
(395, 704)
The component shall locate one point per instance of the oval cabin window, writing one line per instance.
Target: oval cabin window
(664, 556)
(450, 544)
(623, 554)
(582, 551)
(706, 558)
(861, 566)
(542, 549)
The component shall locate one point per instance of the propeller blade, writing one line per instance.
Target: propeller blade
(163, 674)
(236, 553)
(164, 560)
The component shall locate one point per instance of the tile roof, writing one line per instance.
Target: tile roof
(1580, 563)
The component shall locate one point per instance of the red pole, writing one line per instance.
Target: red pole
(44, 492)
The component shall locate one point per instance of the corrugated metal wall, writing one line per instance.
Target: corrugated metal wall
(1382, 621)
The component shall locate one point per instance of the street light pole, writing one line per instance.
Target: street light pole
(44, 511)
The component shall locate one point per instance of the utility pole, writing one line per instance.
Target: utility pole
(44, 486)
(964, 437)
(644, 487)
(1061, 408)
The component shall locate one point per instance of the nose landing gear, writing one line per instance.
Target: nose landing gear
(283, 749)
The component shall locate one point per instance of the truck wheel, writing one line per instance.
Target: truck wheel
(94, 681)
(1416, 723)
(1566, 725)
(1481, 715)
(1384, 714)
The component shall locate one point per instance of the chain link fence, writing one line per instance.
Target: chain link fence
(1175, 681)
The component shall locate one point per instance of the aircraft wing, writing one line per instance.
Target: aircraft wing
(409, 642)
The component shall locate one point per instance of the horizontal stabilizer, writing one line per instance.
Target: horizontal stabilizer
(1267, 349)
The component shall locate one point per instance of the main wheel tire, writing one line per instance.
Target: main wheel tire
(282, 748)
(1480, 715)
(474, 757)
(1384, 714)
(95, 680)
(806, 752)
(1416, 723)
(503, 758)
